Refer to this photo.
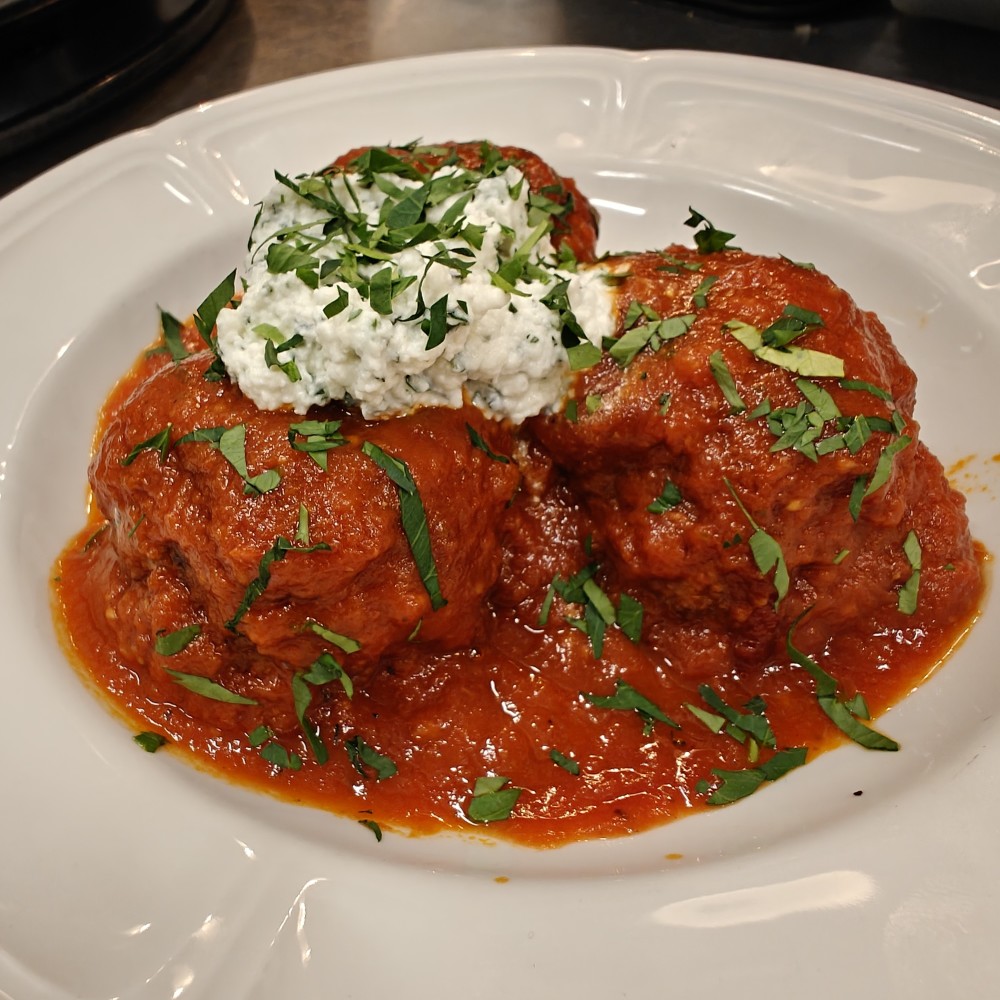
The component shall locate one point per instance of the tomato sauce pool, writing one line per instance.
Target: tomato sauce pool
(522, 702)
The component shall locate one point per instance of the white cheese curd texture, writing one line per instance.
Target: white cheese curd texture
(503, 351)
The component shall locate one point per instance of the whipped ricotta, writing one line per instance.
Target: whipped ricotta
(391, 292)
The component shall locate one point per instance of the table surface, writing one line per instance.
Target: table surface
(263, 41)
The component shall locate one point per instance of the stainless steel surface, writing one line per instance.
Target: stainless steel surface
(262, 41)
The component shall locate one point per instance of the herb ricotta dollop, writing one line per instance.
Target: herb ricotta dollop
(392, 291)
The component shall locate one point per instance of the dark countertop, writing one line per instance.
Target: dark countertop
(263, 41)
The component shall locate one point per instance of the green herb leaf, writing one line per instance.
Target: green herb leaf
(281, 547)
(708, 239)
(765, 550)
(793, 322)
(159, 442)
(627, 699)
(414, 519)
(907, 599)
(363, 756)
(347, 644)
(724, 377)
(302, 699)
(275, 753)
(373, 826)
(171, 643)
(630, 615)
(171, 327)
(150, 742)
(325, 669)
(208, 312)
(208, 688)
(739, 784)
(811, 364)
(670, 497)
(566, 763)
(477, 442)
(493, 799)
(826, 694)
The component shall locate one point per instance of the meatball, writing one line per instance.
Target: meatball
(574, 224)
(273, 558)
(729, 492)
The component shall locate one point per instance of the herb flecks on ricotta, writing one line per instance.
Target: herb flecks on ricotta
(391, 289)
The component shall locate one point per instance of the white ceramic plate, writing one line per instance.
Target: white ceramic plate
(129, 876)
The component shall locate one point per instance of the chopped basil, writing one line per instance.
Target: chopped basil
(150, 742)
(325, 669)
(670, 497)
(208, 312)
(171, 643)
(741, 724)
(863, 487)
(316, 438)
(414, 519)
(362, 756)
(907, 599)
(629, 616)
(343, 642)
(793, 322)
(159, 442)
(861, 385)
(493, 799)
(477, 442)
(737, 785)
(766, 551)
(566, 763)
(260, 735)
(232, 445)
(644, 327)
(302, 699)
(281, 547)
(838, 711)
(583, 355)
(699, 298)
(627, 699)
(598, 609)
(724, 377)
(708, 239)
(373, 826)
(279, 756)
(171, 327)
(208, 688)
(802, 361)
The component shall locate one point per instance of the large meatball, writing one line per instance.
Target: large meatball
(575, 221)
(707, 468)
(195, 542)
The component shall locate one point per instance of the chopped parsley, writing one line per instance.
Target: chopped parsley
(208, 688)
(670, 497)
(277, 552)
(493, 799)
(766, 551)
(171, 643)
(566, 763)
(735, 785)
(150, 742)
(843, 714)
(362, 757)
(708, 239)
(907, 598)
(627, 699)
(414, 518)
